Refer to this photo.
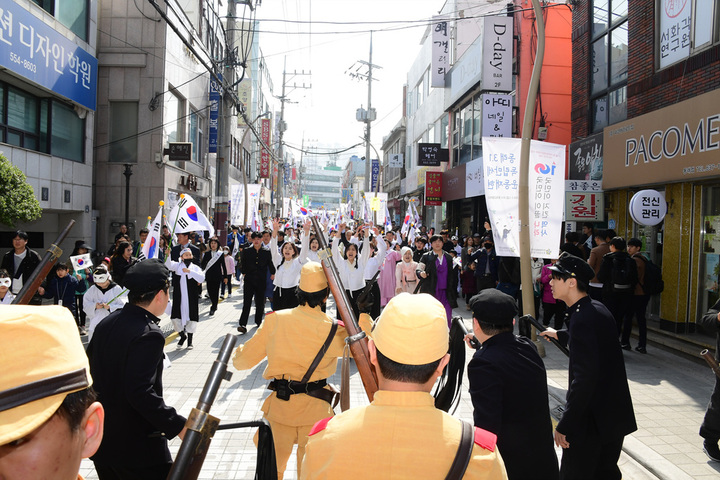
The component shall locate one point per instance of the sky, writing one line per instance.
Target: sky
(324, 115)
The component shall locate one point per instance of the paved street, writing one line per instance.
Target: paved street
(669, 395)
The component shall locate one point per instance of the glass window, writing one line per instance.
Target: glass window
(618, 105)
(619, 10)
(600, 15)
(444, 131)
(477, 130)
(74, 15)
(174, 111)
(708, 290)
(599, 65)
(22, 111)
(193, 136)
(47, 5)
(123, 132)
(599, 113)
(703, 24)
(68, 133)
(619, 55)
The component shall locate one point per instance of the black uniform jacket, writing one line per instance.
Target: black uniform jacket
(217, 270)
(428, 285)
(126, 364)
(508, 388)
(598, 392)
(26, 268)
(255, 264)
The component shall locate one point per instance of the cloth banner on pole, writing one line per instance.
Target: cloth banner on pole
(546, 183)
(187, 217)
(237, 202)
(150, 248)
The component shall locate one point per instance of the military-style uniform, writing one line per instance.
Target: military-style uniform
(399, 435)
(290, 339)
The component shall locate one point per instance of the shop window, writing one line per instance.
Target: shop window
(71, 13)
(685, 28)
(609, 63)
(196, 135)
(123, 132)
(174, 112)
(709, 282)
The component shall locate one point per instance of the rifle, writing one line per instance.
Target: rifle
(540, 327)
(51, 256)
(711, 361)
(474, 343)
(357, 339)
(201, 426)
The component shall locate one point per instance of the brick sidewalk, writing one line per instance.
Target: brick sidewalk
(669, 394)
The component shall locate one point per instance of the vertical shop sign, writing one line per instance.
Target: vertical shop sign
(496, 115)
(215, 89)
(264, 154)
(440, 52)
(433, 189)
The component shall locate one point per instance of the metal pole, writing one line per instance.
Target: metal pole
(128, 174)
(281, 155)
(523, 194)
(368, 160)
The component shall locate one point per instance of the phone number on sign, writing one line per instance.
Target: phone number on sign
(28, 65)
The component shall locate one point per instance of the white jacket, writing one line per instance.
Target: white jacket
(93, 296)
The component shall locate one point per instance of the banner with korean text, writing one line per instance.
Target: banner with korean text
(264, 154)
(237, 202)
(546, 183)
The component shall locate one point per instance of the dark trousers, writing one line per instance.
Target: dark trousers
(484, 281)
(589, 458)
(80, 311)
(213, 290)
(596, 293)
(253, 289)
(353, 296)
(556, 312)
(125, 472)
(710, 428)
(284, 298)
(638, 308)
(228, 285)
(619, 304)
(375, 292)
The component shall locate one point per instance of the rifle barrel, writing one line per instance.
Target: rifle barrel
(711, 361)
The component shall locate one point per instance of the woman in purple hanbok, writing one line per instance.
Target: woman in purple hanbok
(436, 275)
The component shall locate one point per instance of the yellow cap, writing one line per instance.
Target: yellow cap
(312, 278)
(412, 330)
(48, 362)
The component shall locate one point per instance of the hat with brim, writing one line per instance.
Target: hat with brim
(573, 266)
(53, 364)
(82, 244)
(312, 278)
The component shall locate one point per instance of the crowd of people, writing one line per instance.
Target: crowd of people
(590, 294)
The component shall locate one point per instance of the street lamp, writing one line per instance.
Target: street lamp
(242, 163)
(128, 173)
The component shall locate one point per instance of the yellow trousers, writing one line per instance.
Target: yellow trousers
(284, 438)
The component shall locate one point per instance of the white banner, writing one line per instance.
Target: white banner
(674, 32)
(237, 202)
(546, 180)
(376, 206)
(440, 51)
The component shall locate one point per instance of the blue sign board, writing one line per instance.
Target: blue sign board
(38, 53)
(375, 174)
(215, 89)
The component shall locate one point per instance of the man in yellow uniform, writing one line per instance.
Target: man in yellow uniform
(401, 435)
(49, 419)
(291, 340)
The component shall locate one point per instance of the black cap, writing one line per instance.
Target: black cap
(494, 307)
(574, 266)
(146, 276)
(82, 244)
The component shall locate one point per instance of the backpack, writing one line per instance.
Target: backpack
(654, 283)
(623, 274)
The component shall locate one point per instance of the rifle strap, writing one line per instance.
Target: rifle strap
(464, 452)
(321, 353)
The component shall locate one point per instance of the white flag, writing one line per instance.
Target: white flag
(188, 217)
(388, 222)
(81, 262)
(151, 247)
(406, 223)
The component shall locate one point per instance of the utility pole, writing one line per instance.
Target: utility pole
(281, 129)
(369, 115)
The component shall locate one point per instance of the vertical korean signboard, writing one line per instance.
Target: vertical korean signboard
(496, 115)
(501, 159)
(264, 154)
(497, 54)
(433, 189)
(215, 89)
(375, 174)
(440, 52)
(674, 31)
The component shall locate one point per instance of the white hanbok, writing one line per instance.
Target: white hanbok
(194, 274)
(112, 296)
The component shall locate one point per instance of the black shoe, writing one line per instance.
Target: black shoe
(183, 337)
(626, 346)
(190, 338)
(641, 350)
(711, 449)
(242, 329)
(212, 312)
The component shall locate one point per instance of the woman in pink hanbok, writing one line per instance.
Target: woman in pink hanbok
(387, 274)
(405, 276)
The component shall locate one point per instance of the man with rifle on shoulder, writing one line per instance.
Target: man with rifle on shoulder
(302, 345)
(401, 434)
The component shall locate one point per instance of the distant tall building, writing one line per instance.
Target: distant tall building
(322, 185)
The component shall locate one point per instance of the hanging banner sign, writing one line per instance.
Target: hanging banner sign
(433, 189)
(264, 154)
(396, 160)
(585, 206)
(430, 154)
(496, 115)
(237, 202)
(546, 183)
(215, 89)
(375, 174)
(440, 52)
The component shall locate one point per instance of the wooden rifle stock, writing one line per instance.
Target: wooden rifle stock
(51, 256)
(201, 426)
(358, 347)
(711, 361)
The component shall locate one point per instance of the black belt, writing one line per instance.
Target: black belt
(284, 388)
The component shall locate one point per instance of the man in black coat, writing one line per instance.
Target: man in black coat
(126, 362)
(508, 388)
(486, 270)
(184, 240)
(20, 262)
(710, 428)
(598, 409)
(257, 268)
